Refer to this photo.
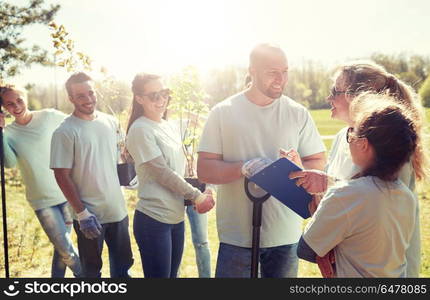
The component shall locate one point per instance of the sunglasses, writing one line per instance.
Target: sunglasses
(156, 96)
(334, 93)
(350, 135)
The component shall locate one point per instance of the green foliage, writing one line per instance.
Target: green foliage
(189, 106)
(425, 92)
(33, 102)
(114, 94)
(412, 69)
(13, 54)
(223, 83)
(65, 54)
(310, 85)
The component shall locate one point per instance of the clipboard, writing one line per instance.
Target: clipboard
(274, 179)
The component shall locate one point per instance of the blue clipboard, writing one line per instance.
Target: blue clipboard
(274, 180)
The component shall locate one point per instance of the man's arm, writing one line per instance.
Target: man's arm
(68, 188)
(315, 161)
(304, 251)
(212, 169)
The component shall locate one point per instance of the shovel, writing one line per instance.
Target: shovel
(257, 197)
(3, 202)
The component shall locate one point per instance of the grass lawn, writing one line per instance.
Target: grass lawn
(30, 251)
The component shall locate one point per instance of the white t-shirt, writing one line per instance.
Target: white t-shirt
(340, 166)
(369, 223)
(146, 140)
(340, 163)
(90, 149)
(30, 146)
(241, 130)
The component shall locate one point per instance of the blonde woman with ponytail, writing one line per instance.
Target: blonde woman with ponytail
(368, 221)
(350, 80)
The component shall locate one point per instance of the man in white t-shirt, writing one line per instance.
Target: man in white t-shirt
(84, 155)
(240, 132)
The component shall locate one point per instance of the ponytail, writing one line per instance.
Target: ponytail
(366, 76)
(136, 111)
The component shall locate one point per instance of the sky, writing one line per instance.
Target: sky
(131, 36)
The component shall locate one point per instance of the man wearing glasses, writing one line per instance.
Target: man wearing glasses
(243, 134)
(84, 155)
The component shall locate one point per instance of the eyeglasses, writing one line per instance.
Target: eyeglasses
(156, 96)
(350, 135)
(334, 93)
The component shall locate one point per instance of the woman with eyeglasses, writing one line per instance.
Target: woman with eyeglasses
(349, 81)
(369, 220)
(27, 144)
(156, 148)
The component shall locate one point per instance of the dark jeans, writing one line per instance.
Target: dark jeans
(275, 262)
(118, 241)
(160, 245)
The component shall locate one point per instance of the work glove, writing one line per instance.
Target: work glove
(255, 165)
(88, 224)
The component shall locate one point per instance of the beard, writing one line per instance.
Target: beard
(269, 91)
(86, 110)
(272, 94)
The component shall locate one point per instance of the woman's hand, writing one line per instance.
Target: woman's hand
(313, 205)
(292, 155)
(327, 264)
(205, 202)
(313, 181)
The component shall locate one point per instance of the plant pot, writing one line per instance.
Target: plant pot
(197, 184)
(126, 173)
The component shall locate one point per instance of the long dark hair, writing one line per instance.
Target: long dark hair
(138, 87)
(389, 128)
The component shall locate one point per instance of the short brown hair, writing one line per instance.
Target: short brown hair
(79, 77)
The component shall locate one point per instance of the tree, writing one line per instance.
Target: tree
(66, 55)
(33, 102)
(411, 69)
(113, 94)
(425, 92)
(13, 54)
(222, 83)
(189, 106)
(309, 85)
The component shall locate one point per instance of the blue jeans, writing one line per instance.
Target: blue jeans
(160, 245)
(199, 236)
(118, 241)
(275, 262)
(56, 221)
